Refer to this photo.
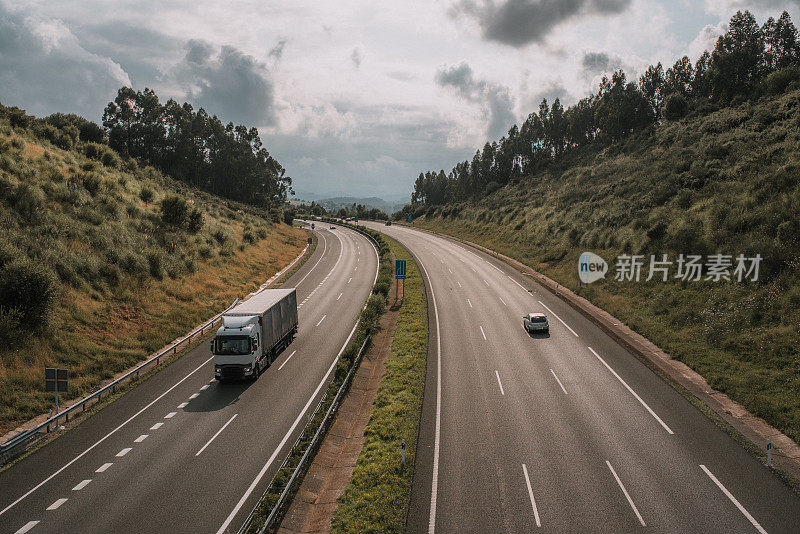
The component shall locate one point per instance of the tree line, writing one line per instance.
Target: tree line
(225, 159)
(748, 61)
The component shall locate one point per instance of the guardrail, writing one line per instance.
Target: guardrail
(10, 447)
(310, 451)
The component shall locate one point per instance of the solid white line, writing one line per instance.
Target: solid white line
(451, 271)
(734, 500)
(286, 437)
(494, 266)
(559, 381)
(485, 282)
(82, 484)
(459, 283)
(501, 300)
(141, 438)
(170, 415)
(204, 387)
(632, 392)
(530, 493)
(340, 296)
(350, 280)
(183, 405)
(98, 442)
(194, 396)
(217, 434)
(56, 504)
(29, 525)
(103, 467)
(499, 383)
(156, 426)
(470, 303)
(630, 501)
(482, 332)
(437, 432)
(520, 285)
(323, 318)
(324, 248)
(286, 360)
(124, 451)
(559, 318)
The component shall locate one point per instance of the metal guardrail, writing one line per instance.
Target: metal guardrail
(310, 451)
(7, 449)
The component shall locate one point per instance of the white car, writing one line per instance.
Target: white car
(333, 227)
(536, 322)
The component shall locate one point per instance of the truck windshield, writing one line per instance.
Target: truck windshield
(232, 345)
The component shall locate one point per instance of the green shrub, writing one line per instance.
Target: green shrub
(28, 200)
(134, 264)
(30, 290)
(248, 237)
(146, 195)
(174, 211)
(110, 159)
(155, 262)
(91, 182)
(196, 221)
(11, 327)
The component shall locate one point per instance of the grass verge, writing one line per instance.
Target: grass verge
(376, 497)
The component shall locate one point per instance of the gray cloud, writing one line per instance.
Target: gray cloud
(44, 68)
(228, 83)
(594, 63)
(496, 100)
(520, 22)
(356, 57)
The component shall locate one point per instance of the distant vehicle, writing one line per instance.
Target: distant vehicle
(312, 226)
(253, 333)
(333, 227)
(536, 322)
(388, 223)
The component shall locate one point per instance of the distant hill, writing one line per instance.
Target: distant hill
(336, 203)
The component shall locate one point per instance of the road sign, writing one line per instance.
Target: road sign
(400, 269)
(55, 379)
(356, 218)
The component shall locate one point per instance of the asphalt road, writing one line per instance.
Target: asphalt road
(181, 452)
(565, 432)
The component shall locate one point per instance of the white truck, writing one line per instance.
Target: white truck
(253, 333)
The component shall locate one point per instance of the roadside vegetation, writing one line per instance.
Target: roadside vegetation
(376, 497)
(104, 259)
(367, 325)
(720, 177)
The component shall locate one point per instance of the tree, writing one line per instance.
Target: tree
(781, 43)
(736, 63)
(652, 85)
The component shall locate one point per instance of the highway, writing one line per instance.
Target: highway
(181, 452)
(564, 432)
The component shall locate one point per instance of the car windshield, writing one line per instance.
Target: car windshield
(538, 319)
(232, 345)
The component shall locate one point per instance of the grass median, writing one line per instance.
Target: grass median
(376, 497)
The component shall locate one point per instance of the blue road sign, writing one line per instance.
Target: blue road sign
(400, 269)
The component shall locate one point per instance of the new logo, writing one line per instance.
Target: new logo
(591, 267)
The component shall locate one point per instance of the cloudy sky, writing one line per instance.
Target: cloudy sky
(352, 97)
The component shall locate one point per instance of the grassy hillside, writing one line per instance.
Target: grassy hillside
(93, 278)
(727, 182)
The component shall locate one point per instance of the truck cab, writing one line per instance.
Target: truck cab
(236, 348)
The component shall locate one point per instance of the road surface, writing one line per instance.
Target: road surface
(565, 432)
(181, 452)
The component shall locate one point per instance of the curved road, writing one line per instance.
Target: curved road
(181, 452)
(566, 432)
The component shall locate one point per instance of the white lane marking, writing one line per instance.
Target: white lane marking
(473, 269)
(98, 442)
(501, 300)
(103, 467)
(82, 484)
(350, 280)
(156, 426)
(449, 269)
(530, 493)
(485, 282)
(286, 437)
(340, 296)
(630, 501)
(193, 396)
(733, 500)
(520, 285)
(141, 438)
(57, 504)
(217, 434)
(324, 248)
(559, 381)
(29, 525)
(183, 405)
(205, 386)
(124, 451)
(499, 383)
(437, 432)
(356, 268)
(323, 318)
(459, 283)
(470, 303)
(482, 332)
(286, 360)
(170, 415)
(631, 391)
(559, 318)
(492, 265)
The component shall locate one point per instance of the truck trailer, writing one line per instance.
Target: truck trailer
(253, 333)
